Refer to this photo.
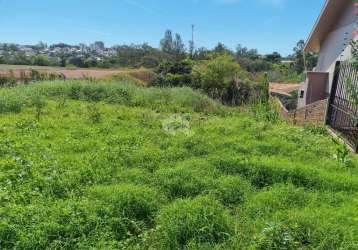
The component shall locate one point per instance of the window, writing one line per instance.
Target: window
(302, 94)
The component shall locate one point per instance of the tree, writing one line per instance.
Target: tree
(76, 61)
(250, 60)
(139, 55)
(275, 57)
(63, 59)
(41, 60)
(90, 62)
(300, 57)
(202, 53)
(221, 49)
(243, 52)
(216, 76)
(178, 47)
(166, 44)
(174, 73)
(41, 45)
(21, 59)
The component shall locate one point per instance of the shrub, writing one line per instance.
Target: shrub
(215, 77)
(202, 220)
(129, 201)
(173, 74)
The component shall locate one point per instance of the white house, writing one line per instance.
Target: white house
(330, 38)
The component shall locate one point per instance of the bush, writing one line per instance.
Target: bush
(129, 201)
(215, 77)
(173, 74)
(242, 92)
(202, 220)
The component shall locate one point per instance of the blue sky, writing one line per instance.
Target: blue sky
(268, 25)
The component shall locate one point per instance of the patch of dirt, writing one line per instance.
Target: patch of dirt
(284, 88)
(16, 71)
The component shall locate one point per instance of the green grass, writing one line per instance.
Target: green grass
(110, 165)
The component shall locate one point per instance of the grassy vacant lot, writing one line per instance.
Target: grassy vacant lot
(107, 165)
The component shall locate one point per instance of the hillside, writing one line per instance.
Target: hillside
(109, 165)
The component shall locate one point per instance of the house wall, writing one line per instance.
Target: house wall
(336, 45)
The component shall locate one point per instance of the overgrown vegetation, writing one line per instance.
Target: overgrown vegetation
(234, 78)
(10, 80)
(111, 165)
(355, 52)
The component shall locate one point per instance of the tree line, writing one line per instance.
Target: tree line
(172, 48)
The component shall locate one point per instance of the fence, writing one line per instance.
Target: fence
(343, 104)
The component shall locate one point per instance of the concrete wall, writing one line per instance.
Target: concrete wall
(336, 45)
(314, 88)
(301, 102)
